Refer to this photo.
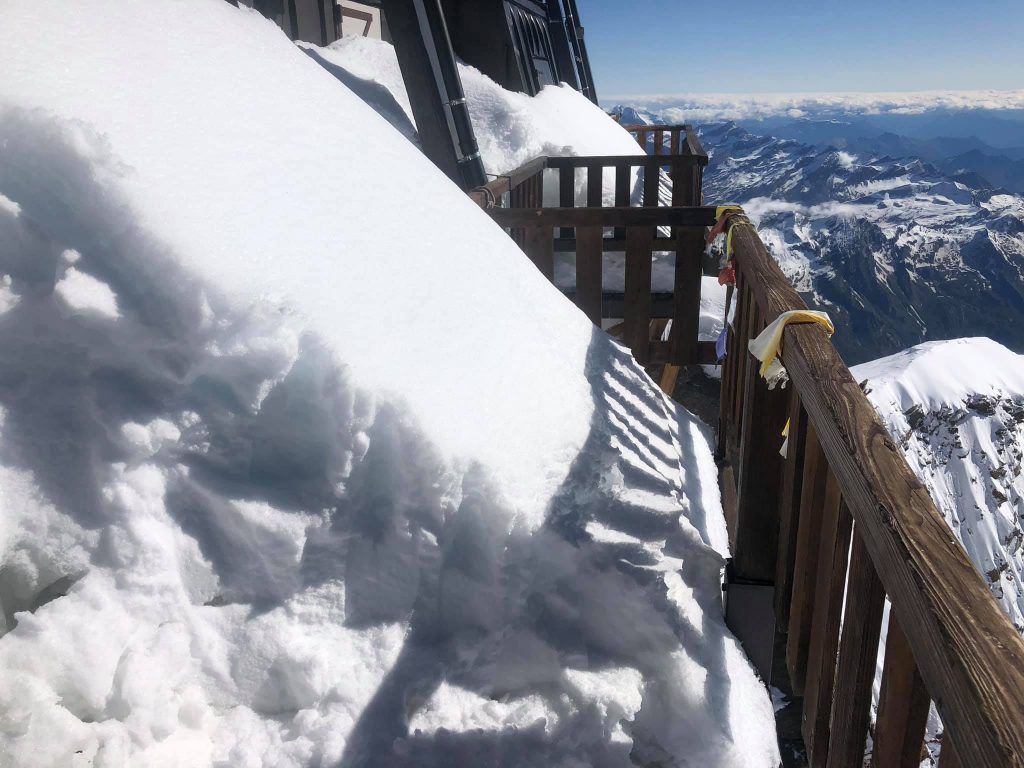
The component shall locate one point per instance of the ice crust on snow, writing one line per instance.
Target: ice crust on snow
(281, 493)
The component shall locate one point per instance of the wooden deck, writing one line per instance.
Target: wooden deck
(841, 515)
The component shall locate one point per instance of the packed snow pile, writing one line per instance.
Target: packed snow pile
(291, 475)
(957, 409)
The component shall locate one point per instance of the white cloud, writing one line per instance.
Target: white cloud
(710, 107)
(759, 207)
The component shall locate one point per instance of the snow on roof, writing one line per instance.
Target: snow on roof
(319, 453)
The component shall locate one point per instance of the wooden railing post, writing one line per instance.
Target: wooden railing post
(540, 247)
(902, 705)
(759, 473)
(637, 320)
(828, 604)
(805, 560)
(687, 281)
(858, 657)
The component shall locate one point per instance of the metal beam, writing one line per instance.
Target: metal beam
(435, 91)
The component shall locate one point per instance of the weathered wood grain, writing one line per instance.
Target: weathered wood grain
(902, 705)
(833, 551)
(789, 507)
(858, 656)
(805, 561)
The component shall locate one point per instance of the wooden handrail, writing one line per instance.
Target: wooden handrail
(682, 138)
(969, 654)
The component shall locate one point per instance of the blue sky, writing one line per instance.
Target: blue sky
(742, 46)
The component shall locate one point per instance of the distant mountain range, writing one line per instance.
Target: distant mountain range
(1001, 166)
(897, 249)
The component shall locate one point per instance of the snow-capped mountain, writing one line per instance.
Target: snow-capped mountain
(957, 410)
(895, 250)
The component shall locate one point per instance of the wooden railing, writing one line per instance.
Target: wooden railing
(842, 516)
(664, 139)
(669, 219)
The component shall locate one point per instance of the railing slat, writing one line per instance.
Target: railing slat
(589, 259)
(805, 563)
(789, 506)
(742, 359)
(651, 176)
(833, 551)
(637, 320)
(858, 657)
(948, 756)
(566, 194)
(759, 476)
(540, 248)
(623, 176)
(595, 186)
(659, 140)
(902, 705)
(688, 273)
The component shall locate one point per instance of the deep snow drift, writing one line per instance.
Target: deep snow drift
(277, 490)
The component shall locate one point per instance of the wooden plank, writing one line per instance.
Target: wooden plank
(741, 358)
(805, 563)
(669, 379)
(789, 506)
(759, 481)
(595, 186)
(651, 176)
(858, 657)
(675, 141)
(566, 194)
(611, 244)
(492, 192)
(589, 260)
(659, 141)
(687, 276)
(539, 243)
(638, 292)
(635, 161)
(948, 756)
(623, 178)
(902, 705)
(968, 652)
(660, 353)
(619, 216)
(833, 551)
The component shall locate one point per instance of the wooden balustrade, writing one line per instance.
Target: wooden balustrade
(665, 139)
(849, 522)
(668, 219)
